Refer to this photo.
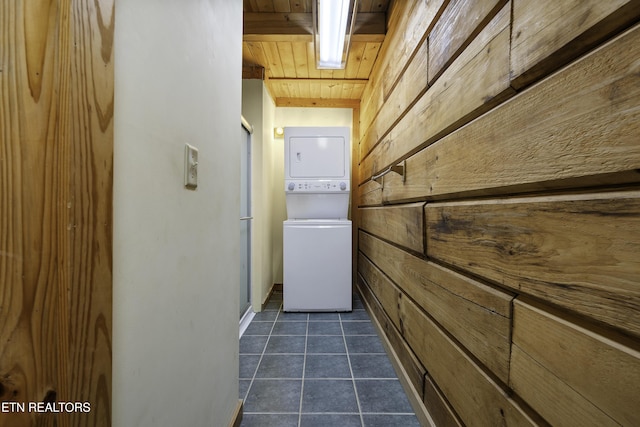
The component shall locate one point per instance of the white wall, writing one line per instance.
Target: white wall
(293, 116)
(175, 280)
(258, 108)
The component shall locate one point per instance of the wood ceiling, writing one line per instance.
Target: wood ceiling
(278, 47)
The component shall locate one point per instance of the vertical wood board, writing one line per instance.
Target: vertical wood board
(30, 215)
(89, 115)
(56, 87)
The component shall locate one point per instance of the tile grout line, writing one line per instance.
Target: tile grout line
(304, 366)
(343, 320)
(264, 350)
(353, 379)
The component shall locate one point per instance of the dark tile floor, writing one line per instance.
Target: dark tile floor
(318, 369)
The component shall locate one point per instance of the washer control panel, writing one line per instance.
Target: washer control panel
(316, 186)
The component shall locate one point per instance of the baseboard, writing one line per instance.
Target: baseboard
(412, 394)
(237, 415)
(246, 320)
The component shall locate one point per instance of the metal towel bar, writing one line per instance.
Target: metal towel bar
(400, 169)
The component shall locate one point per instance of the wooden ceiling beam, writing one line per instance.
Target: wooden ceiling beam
(315, 102)
(253, 72)
(316, 80)
(369, 27)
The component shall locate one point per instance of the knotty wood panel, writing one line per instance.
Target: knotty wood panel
(439, 409)
(387, 294)
(295, 26)
(475, 82)
(485, 327)
(89, 115)
(409, 24)
(369, 193)
(382, 298)
(306, 5)
(56, 87)
(569, 250)
(548, 34)
(475, 397)
(572, 375)
(29, 217)
(411, 85)
(403, 225)
(458, 25)
(579, 127)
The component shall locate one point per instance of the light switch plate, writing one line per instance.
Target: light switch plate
(190, 167)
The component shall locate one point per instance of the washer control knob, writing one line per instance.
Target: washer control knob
(292, 186)
(343, 186)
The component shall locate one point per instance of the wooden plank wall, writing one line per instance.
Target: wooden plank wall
(504, 268)
(56, 172)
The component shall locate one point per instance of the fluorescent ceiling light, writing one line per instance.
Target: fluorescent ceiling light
(333, 24)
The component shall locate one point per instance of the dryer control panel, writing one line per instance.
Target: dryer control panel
(316, 186)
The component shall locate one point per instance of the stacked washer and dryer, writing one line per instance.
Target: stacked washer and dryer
(317, 233)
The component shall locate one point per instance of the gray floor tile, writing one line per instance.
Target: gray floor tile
(280, 366)
(327, 366)
(355, 315)
(371, 366)
(382, 396)
(323, 316)
(265, 315)
(329, 396)
(244, 387)
(269, 420)
(325, 344)
(273, 305)
(248, 365)
(288, 317)
(325, 328)
(380, 420)
(277, 347)
(286, 344)
(290, 328)
(357, 304)
(358, 328)
(258, 328)
(252, 344)
(326, 420)
(273, 396)
(364, 344)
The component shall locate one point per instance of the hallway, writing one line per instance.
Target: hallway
(318, 369)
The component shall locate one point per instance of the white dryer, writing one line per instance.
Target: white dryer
(317, 233)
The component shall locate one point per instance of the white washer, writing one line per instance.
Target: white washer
(317, 265)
